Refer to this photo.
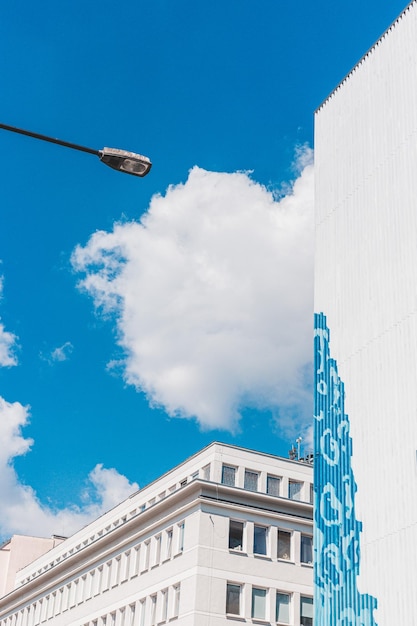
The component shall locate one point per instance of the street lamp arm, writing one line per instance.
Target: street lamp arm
(66, 144)
(121, 160)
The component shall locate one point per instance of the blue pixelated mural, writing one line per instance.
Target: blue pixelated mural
(337, 600)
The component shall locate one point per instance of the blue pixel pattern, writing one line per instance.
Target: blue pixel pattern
(337, 600)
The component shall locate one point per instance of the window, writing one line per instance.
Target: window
(164, 608)
(89, 584)
(80, 589)
(106, 576)
(233, 599)
(157, 550)
(98, 581)
(145, 555)
(125, 566)
(72, 595)
(258, 603)
(206, 472)
(228, 475)
(284, 545)
(294, 490)
(44, 610)
(283, 608)
(115, 572)
(142, 612)
(58, 603)
(259, 540)
(177, 591)
(131, 616)
(251, 480)
(306, 549)
(306, 611)
(273, 485)
(235, 535)
(135, 562)
(169, 543)
(311, 493)
(181, 528)
(153, 610)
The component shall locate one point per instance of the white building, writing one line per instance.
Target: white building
(366, 289)
(225, 536)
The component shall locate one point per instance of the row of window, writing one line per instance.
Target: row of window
(296, 489)
(158, 608)
(283, 604)
(262, 542)
(133, 562)
(203, 473)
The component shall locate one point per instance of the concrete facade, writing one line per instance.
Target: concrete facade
(225, 536)
(366, 335)
(18, 552)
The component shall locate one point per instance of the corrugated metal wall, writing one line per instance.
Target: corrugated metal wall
(366, 285)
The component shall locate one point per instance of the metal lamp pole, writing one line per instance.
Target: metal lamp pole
(121, 160)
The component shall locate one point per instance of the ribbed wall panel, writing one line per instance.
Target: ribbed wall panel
(366, 285)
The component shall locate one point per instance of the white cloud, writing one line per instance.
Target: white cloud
(60, 354)
(7, 341)
(22, 511)
(212, 296)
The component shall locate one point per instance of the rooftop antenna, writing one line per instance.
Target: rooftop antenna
(292, 454)
(298, 442)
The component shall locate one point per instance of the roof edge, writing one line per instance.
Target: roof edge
(364, 56)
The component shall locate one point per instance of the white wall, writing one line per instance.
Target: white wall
(366, 285)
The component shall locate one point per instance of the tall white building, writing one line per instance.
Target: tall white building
(226, 536)
(366, 337)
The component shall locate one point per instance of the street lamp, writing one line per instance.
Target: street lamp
(128, 162)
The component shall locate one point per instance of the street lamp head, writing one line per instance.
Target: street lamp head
(124, 161)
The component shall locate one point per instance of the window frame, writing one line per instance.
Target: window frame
(279, 481)
(237, 548)
(279, 592)
(265, 603)
(310, 619)
(238, 586)
(310, 548)
(290, 534)
(266, 534)
(229, 467)
(298, 493)
(248, 476)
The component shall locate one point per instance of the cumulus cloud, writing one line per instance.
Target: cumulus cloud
(22, 511)
(7, 342)
(212, 296)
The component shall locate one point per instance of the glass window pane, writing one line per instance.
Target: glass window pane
(294, 490)
(251, 480)
(228, 475)
(235, 535)
(233, 599)
(272, 485)
(258, 602)
(306, 549)
(284, 545)
(283, 608)
(259, 540)
(306, 611)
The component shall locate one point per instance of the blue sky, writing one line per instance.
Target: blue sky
(187, 317)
